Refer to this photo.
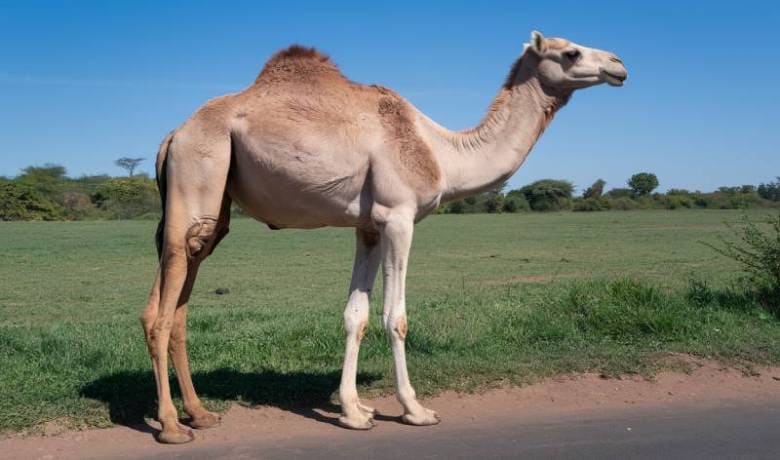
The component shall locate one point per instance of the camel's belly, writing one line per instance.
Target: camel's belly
(300, 195)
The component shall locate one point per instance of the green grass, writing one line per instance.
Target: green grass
(492, 299)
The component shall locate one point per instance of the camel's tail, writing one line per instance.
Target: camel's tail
(161, 167)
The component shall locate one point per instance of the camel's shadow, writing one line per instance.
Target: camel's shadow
(131, 395)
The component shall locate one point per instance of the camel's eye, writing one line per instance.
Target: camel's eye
(572, 55)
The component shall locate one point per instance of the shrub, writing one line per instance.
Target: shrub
(47, 179)
(758, 252)
(675, 201)
(24, 202)
(456, 207)
(493, 202)
(78, 206)
(126, 198)
(623, 204)
(589, 204)
(620, 193)
(699, 293)
(515, 203)
(548, 194)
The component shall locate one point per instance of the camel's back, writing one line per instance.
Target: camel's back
(302, 89)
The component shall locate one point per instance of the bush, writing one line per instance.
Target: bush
(515, 203)
(456, 207)
(620, 193)
(675, 201)
(623, 204)
(589, 204)
(758, 252)
(78, 206)
(127, 198)
(24, 202)
(548, 194)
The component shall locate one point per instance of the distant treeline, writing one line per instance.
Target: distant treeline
(558, 195)
(47, 193)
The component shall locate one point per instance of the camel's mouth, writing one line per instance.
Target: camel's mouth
(614, 79)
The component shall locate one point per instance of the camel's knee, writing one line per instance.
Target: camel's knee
(356, 314)
(202, 236)
(397, 326)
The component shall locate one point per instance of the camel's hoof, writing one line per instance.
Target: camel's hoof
(176, 436)
(356, 423)
(427, 417)
(205, 420)
(369, 411)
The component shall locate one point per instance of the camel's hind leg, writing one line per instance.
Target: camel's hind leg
(200, 417)
(196, 174)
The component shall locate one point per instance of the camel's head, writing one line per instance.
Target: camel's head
(567, 65)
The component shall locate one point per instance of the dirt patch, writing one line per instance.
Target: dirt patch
(706, 383)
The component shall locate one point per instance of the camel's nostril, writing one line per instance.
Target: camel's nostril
(615, 59)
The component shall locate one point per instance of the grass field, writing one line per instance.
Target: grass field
(493, 299)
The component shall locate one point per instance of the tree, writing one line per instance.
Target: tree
(128, 164)
(642, 184)
(47, 179)
(620, 193)
(595, 190)
(770, 191)
(548, 194)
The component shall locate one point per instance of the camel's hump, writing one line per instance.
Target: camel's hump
(297, 63)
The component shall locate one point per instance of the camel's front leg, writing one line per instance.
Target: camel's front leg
(354, 414)
(396, 240)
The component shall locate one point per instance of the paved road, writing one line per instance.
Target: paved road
(737, 431)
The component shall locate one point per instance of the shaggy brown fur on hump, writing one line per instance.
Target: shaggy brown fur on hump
(297, 63)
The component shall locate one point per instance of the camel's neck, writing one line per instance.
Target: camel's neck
(478, 159)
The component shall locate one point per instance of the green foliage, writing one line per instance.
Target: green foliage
(590, 204)
(45, 192)
(642, 184)
(127, 198)
(770, 191)
(47, 179)
(758, 253)
(620, 193)
(548, 194)
(595, 190)
(623, 204)
(19, 201)
(456, 207)
(515, 202)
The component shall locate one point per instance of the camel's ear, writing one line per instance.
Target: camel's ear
(537, 44)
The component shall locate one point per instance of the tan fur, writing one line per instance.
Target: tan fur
(415, 156)
(362, 330)
(401, 327)
(304, 147)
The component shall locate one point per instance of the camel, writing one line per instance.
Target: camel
(304, 147)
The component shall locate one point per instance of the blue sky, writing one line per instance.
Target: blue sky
(83, 83)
